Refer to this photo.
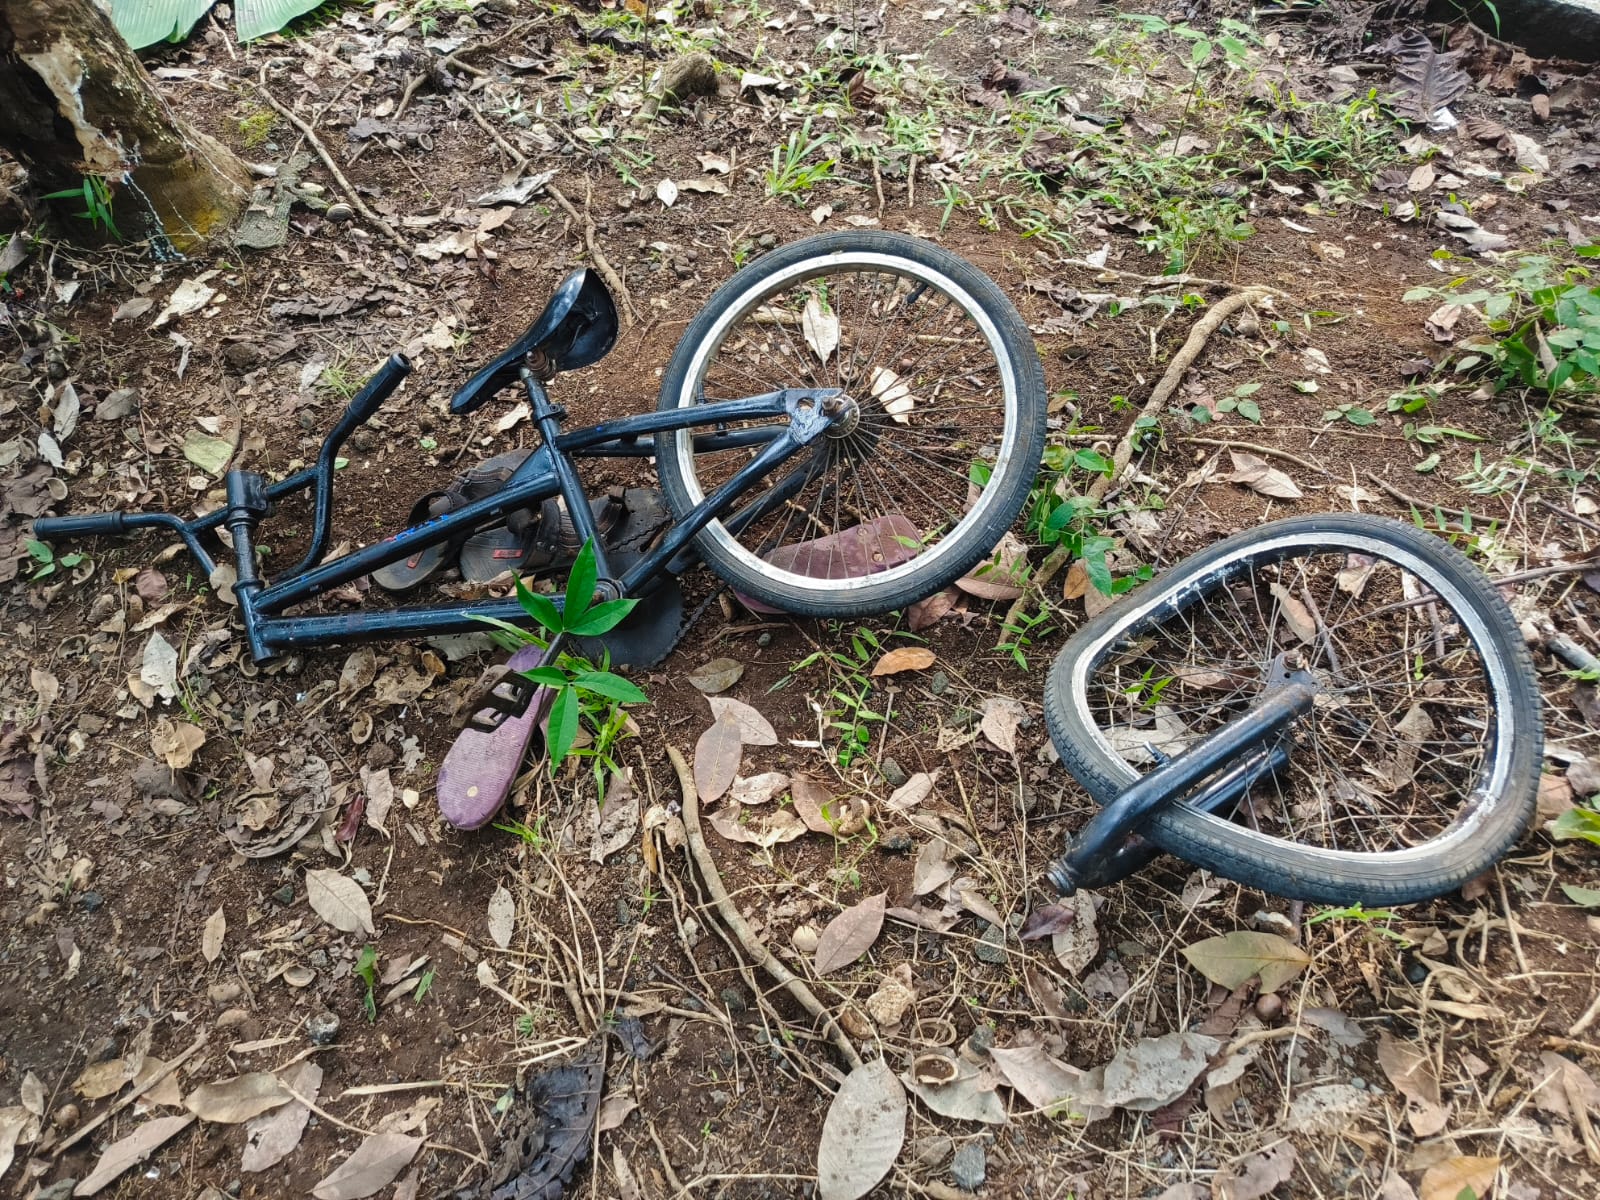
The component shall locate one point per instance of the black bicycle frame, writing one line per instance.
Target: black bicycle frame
(800, 417)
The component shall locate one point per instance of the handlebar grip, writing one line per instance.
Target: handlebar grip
(376, 390)
(89, 525)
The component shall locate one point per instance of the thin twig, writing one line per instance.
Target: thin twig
(1516, 940)
(1415, 501)
(601, 264)
(328, 161)
(735, 922)
(144, 1087)
(1257, 448)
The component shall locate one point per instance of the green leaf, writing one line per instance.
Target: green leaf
(1581, 823)
(1360, 416)
(70, 560)
(580, 586)
(1233, 958)
(1246, 389)
(1099, 572)
(551, 677)
(1588, 897)
(210, 454)
(256, 18)
(612, 687)
(40, 552)
(1308, 386)
(1250, 411)
(1200, 53)
(540, 608)
(563, 726)
(515, 635)
(367, 966)
(145, 22)
(1427, 464)
(602, 617)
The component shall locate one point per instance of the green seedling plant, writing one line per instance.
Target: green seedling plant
(47, 561)
(1542, 322)
(1354, 414)
(367, 972)
(1377, 919)
(848, 712)
(95, 192)
(583, 692)
(793, 174)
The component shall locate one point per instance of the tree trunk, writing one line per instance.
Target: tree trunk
(76, 103)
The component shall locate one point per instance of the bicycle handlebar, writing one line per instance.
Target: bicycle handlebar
(90, 525)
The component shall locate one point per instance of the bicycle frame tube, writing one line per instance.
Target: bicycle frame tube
(270, 632)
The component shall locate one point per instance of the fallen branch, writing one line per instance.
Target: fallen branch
(356, 202)
(736, 923)
(1415, 501)
(1168, 384)
(601, 264)
(1112, 274)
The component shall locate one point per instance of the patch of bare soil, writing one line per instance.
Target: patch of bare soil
(244, 867)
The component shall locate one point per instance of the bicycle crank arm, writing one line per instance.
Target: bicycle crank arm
(1102, 837)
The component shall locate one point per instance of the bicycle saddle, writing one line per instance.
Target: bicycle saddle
(577, 328)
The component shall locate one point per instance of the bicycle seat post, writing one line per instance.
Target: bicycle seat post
(548, 416)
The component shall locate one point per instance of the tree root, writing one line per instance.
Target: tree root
(1168, 384)
(736, 924)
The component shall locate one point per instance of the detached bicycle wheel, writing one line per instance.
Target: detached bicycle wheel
(944, 430)
(1418, 766)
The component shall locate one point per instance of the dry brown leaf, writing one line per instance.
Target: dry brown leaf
(862, 1133)
(1260, 476)
(1077, 943)
(1295, 614)
(716, 758)
(1235, 957)
(755, 729)
(911, 793)
(339, 901)
(1001, 715)
(766, 830)
(820, 326)
(373, 1166)
(932, 870)
(968, 1097)
(1048, 1084)
(905, 658)
(718, 675)
(130, 1151)
(1411, 1072)
(176, 742)
(1256, 1176)
(1002, 575)
(502, 916)
(271, 1137)
(234, 1101)
(17, 1125)
(850, 935)
(102, 1079)
(1447, 1180)
(823, 812)
(1156, 1071)
(758, 789)
(211, 936)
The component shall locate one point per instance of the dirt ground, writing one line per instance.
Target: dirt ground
(152, 913)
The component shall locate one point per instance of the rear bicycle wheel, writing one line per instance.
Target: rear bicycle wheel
(1418, 766)
(945, 425)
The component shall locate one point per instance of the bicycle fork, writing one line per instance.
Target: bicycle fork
(1244, 750)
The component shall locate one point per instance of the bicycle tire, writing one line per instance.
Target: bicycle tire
(1328, 798)
(964, 354)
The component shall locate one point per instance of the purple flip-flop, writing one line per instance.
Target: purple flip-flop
(477, 774)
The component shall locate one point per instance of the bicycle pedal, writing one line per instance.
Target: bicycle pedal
(499, 695)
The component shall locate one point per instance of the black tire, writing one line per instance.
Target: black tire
(1373, 807)
(912, 325)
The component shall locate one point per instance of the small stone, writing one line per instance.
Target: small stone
(233, 1187)
(733, 999)
(285, 894)
(225, 993)
(968, 1168)
(981, 1040)
(1358, 1083)
(767, 241)
(893, 773)
(938, 683)
(61, 1189)
(319, 959)
(624, 913)
(764, 640)
(91, 901)
(991, 947)
(365, 440)
(340, 212)
(1269, 1007)
(897, 843)
(117, 405)
(323, 1029)
(720, 1098)
(65, 1117)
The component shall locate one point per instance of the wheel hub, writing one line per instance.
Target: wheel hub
(846, 414)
